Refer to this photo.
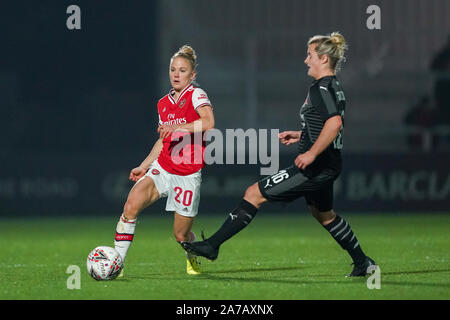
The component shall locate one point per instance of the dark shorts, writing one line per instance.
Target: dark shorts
(292, 183)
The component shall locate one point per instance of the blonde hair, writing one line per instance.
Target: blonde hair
(333, 46)
(189, 54)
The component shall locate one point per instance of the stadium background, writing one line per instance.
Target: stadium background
(78, 107)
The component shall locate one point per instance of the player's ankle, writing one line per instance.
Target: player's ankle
(213, 244)
(128, 218)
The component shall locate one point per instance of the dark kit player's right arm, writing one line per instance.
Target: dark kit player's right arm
(323, 97)
(329, 132)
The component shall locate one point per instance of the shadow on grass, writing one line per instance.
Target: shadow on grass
(414, 272)
(304, 279)
(283, 280)
(235, 271)
(271, 275)
(312, 279)
(255, 270)
(415, 283)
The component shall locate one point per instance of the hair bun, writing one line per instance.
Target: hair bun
(189, 51)
(333, 45)
(338, 40)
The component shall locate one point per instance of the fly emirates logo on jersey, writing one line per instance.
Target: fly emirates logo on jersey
(171, 120)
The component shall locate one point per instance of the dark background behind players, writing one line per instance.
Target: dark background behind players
(77, 107)
(431, 113)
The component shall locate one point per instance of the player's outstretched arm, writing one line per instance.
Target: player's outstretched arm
(141, 170)
(289, 137)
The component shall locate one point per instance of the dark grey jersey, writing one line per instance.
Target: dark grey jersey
(325, 99)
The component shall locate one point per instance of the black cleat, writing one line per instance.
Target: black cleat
(201, 248)
(361, 270)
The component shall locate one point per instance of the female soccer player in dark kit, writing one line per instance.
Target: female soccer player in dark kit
(319, 163)
(185, 111)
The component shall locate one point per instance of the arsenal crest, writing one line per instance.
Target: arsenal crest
(182, 103)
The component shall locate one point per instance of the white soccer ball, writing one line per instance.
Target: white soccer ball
(104, 263)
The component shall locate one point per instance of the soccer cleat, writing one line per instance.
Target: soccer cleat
(201, 248)
(361, 270)
(193, 266)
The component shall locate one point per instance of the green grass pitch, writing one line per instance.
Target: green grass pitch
(282, 257)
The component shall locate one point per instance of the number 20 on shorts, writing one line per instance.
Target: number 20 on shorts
(187, 196)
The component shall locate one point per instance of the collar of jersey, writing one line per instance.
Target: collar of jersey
(172, 92)
(320, 79)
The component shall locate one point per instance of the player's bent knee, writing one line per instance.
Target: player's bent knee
(254, 196)
(323, 217)
(314, 212)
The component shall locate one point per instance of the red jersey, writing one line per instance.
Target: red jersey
(182, 152)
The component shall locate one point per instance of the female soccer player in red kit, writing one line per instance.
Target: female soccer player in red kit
(185, 110)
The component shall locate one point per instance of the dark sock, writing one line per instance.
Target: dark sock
(341, 231)
(237, 220)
